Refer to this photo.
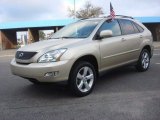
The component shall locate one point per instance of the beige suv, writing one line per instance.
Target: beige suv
(80, 51)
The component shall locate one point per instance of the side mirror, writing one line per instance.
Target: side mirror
(106, 33)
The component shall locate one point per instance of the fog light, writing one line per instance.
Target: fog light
(50, 74)
(56, 73)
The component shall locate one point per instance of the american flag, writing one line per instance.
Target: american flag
(112, 13)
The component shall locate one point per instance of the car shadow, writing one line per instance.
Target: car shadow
(116, 73)
(48, 91)
(106, 80)
(116, 80)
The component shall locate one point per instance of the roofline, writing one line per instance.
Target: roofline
(152, 19)
(36, 24)
(62, 22)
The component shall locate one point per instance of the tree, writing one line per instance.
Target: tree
(88, 11)
(42, 35)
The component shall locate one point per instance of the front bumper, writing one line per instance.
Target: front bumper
(38, 70)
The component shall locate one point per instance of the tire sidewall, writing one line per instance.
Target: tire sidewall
(73, 76)
(140, 66)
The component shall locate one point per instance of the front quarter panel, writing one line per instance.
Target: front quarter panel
(85, 48)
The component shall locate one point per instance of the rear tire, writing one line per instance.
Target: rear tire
(82, 78)
(144, 61)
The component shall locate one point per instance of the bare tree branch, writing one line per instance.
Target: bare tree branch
(88, 11)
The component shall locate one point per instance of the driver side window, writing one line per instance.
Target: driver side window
(111, 25)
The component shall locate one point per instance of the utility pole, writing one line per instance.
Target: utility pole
(74, 9)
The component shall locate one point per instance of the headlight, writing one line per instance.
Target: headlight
(52, 56)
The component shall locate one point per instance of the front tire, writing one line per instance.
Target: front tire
(144, 61)
(82, 78)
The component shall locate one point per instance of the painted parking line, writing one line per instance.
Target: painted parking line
(156, 46)
(156, 54)
(6, 56)
(157, 49)
(158, 63)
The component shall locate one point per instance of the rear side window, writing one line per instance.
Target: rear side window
(139, 27)
(111, 25)
(126, 27)
(135, 28)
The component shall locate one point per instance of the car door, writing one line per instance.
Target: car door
(111, 48)
(131, 40)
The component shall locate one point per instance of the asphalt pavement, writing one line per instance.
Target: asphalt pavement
(120, 94)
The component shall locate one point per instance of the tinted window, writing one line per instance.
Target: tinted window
(135, 28)
(111, 25)
(139, 27)
(127, 27)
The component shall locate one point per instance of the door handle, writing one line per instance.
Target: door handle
(123, 40)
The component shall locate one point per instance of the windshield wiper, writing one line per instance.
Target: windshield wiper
(49, 38)
(67, 37)
(63, 37)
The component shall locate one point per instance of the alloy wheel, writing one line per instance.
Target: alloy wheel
(85, 79)
(145, 60)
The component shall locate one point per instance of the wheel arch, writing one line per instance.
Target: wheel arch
(88, 58)
(148, 47)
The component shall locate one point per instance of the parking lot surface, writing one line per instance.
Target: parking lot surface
(120, 94)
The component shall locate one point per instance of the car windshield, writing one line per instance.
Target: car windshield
(80, 29)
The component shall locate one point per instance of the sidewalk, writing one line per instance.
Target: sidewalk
(13, 51)
(10, 52)
(156, 44)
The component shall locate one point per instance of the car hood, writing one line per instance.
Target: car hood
(49, 44)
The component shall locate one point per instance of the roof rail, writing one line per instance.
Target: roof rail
(123, 16)
(104, 16)
(79, 19)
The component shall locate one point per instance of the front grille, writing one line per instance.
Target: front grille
(24, 55)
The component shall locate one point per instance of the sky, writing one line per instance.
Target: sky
(29, 10)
